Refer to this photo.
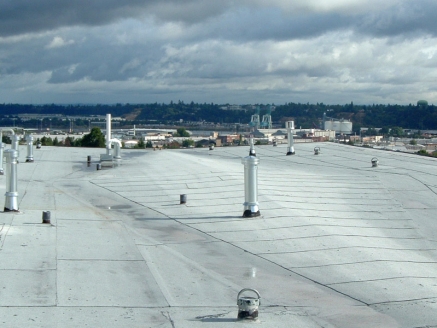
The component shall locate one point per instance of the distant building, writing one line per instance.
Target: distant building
(229, 138)
(233, 107)
(130, 143)
(372, 139)
(430, 146)
(153, 137)
(341, 126)
(318, 135)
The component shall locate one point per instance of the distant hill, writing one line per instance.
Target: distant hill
(420, 116)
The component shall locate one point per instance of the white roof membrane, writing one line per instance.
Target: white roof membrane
(339, 243)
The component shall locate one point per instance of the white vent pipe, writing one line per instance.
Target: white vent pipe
(7, 129)
(11, 195)
(290, 127)
(15, 141)
(252, 147)
(29, 157)
(2, 149)
(117, 147)
(108, 134)
(251, 205)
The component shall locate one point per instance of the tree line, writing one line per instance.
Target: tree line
(421, 117)
(96, 139)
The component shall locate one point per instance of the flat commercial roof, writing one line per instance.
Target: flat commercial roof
(339, 243)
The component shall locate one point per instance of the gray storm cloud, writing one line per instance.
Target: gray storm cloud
(236, 50)
(22, 16)
(250, 17)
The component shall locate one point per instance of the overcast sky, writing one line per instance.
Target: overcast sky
(227, 51)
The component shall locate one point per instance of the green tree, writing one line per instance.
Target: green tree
(384, 130)
(46, 141)
(188, 143)
(413, 142)
(181, 132)
(141, 144)
(94, 139)
(356, 128)
(149, 144)
(371, 132)
(396, 131)
(77, 142)
(69, 142)
(56, 141)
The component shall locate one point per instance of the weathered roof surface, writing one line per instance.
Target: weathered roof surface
(339, 243)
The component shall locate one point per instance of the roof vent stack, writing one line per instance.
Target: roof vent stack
(290, 127)
(117, 147)
(11, 195)
(251, 205)
(29, 140)
(15, 140)
(108, 134)
(2, 149)
(252, 147)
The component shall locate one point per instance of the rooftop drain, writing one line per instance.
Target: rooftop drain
(290, 127)
(375, 162)
(11, 195)
(247, 305)
(29, 157)
(316, 150)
